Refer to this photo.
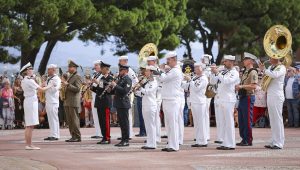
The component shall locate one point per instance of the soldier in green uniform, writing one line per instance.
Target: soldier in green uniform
(72, 102)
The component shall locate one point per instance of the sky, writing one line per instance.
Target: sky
(85, 53)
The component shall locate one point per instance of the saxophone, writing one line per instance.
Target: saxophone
(277, 44)
(62, 92)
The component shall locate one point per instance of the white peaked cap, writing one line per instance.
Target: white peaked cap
(152, 68)
(97, 62)
(207, 56)
(52, 66)
(171, 54)
(123, 57)
(249, 55)
(151, 58)
(28, 65)
(229, 57)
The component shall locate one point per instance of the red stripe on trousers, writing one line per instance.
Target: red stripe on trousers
(249, 121)
(107, 123)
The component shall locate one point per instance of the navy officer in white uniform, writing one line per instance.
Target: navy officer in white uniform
(52, 102)
(197, 87)
(225, 100)
(30, 104)
(148, 93)
(171, 93)
(275, 99)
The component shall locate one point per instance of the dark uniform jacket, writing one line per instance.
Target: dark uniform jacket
(121, 99)
(73, 91)
(105, 100)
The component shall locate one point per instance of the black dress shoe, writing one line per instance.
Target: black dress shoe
(268, 146)
(47, 138)
(198, 146)
(146, 147)
(74, 140)
(140, 135)
(52, 138)
(219, 142)
(165, 136)
(123, 144)
(104, 142)
(165, 149)
(243, 144)
(95, 137)
(68, 140)
(275, 147)
(171, 150)
(225, 148)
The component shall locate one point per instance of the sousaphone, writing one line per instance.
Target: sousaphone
(149, 49)
(277, 45)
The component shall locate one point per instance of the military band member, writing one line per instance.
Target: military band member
(72, 102)
(275, 99)
(152, 61)
(123, 60)
(245, 90)
(181, 108)
(52, 102)
(148, 93)
(30, 104)
(139, 100)
(103, 103)
(122, 102)
(96, 76)
(207, 62)
(197, 86)
(171, 93)
(225, 100)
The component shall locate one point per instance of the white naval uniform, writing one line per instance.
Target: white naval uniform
(52, 104)
(134, 79)
(207, 115)
(94, 110)
(157, 115)
(225, 100)
(197, 87)
(149, 111)
(275, 91)
(30, 105)
(171, 94)
(181, 118)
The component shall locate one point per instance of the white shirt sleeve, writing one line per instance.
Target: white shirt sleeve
(172, 74)
(132, 75)
(230, 77)
(277, 72)
(33, 84)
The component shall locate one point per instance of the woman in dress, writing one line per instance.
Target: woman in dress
(7, 96)
(19, 99)
(30, 88)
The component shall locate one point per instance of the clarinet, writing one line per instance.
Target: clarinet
(95, 76)
(107, 87)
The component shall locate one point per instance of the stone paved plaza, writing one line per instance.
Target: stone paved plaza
(88, 155)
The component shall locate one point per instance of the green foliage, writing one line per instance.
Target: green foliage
(239, 25)
(135, 23)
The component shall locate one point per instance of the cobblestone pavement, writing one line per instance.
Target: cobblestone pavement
(88, 155)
